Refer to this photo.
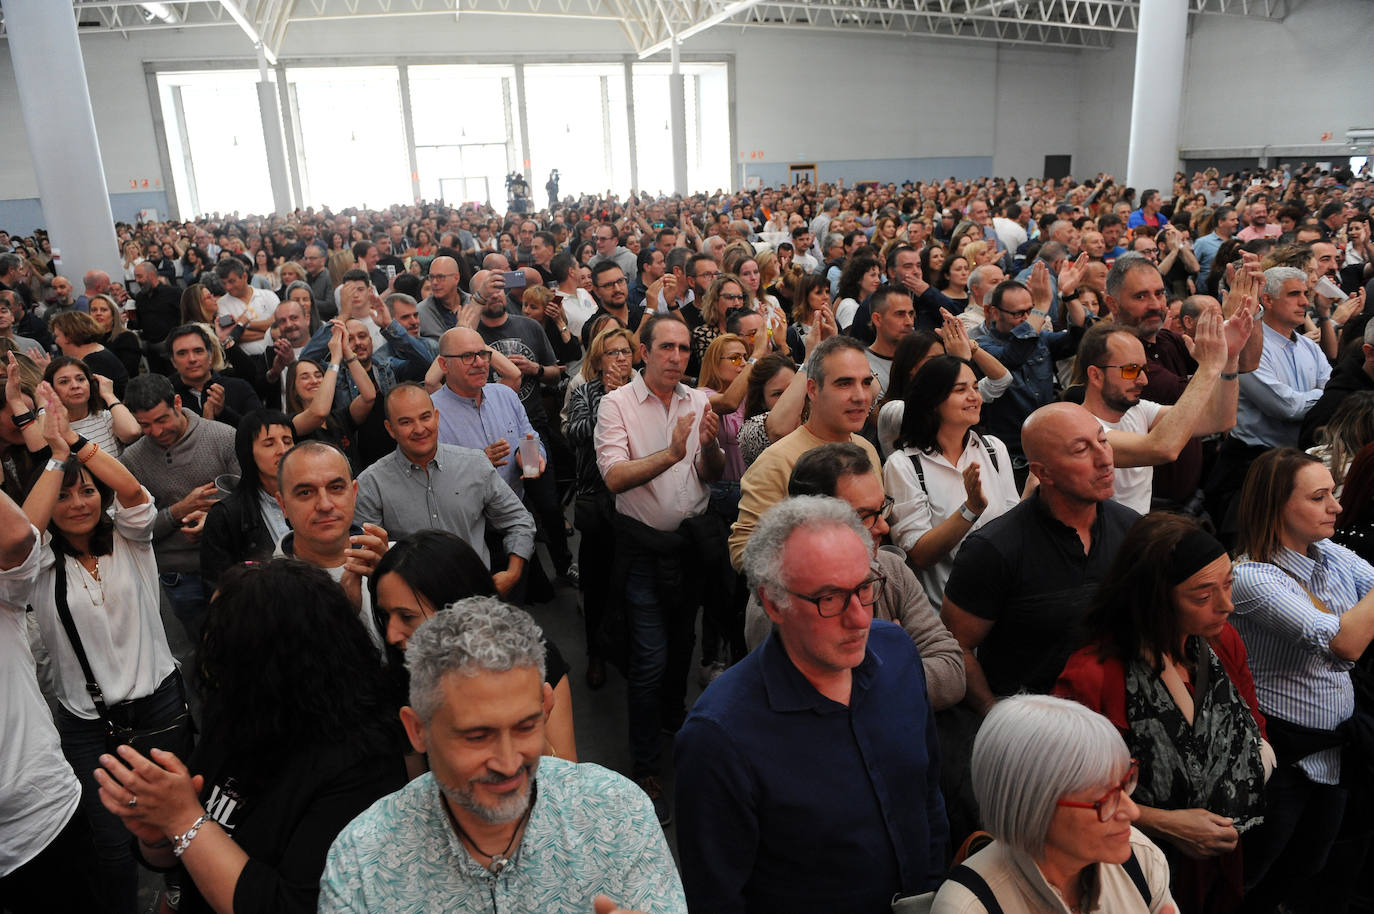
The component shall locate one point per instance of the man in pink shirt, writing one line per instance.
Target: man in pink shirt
(657, 451)
(1260, 226)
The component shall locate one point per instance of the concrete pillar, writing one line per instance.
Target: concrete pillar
(630, 123)
(677, 120)
(273, 141)
(1161, 42)
(408, 128)
(62, 139)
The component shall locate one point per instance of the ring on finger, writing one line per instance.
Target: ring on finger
(133, 801)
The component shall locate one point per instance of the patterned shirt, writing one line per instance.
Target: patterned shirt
(1288, 638)
(591, 832)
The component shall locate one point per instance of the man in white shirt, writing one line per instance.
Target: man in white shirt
(240, 297)
(578, 304)
(1143, 433)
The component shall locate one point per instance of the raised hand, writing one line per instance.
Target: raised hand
(677, 447)
(54, 424)
(710, 427)
(1210, 345)
(973, 488)
(955, 336)
(1042, 293)
(1071, 274)
(105, 387)
(1239, 326)
(381, 316)
(214, 401)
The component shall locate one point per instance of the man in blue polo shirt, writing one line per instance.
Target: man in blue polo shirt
(808, 774)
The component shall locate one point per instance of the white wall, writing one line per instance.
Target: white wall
(1256, 83)
(802, 96)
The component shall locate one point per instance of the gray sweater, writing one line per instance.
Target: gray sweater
(903, 601)
(204, 452)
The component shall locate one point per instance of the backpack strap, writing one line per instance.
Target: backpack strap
(987, 449)
(969, 879)
(1132, 867)
(920, 472)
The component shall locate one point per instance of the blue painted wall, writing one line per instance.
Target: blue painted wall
(885, 170)
(26, 214)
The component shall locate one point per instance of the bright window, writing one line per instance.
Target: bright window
(214, 135)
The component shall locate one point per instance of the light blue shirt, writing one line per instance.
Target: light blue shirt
(465, 422)
(1275, 397)
(1288, 639)
(591, 832)
(1205, 248)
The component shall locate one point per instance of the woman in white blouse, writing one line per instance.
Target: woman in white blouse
(97, 557)
(946, 479)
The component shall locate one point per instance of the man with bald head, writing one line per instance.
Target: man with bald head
(1021, 584)
(439, 312)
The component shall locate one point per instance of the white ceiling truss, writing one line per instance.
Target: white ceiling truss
(650, 25)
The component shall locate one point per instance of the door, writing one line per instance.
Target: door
(1057, 166)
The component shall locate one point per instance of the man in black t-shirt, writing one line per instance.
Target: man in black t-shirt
(1021, 585)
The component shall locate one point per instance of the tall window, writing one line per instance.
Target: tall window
(214, 137)
(349, 138)
(707, 106)
(578, 125)
(466, 133)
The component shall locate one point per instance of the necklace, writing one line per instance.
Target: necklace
(501, 860)
(94, 575)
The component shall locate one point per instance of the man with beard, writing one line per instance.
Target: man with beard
(494, 825)
(1144, 433)
(1136, 298)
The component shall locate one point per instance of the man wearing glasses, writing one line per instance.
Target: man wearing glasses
(608, 248)
(1008, 336)
(612, 293)
(843, 471)
(1143, 433)
(808, 773)
(440, 311)
(1136, 297)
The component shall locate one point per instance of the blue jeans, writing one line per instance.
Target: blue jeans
(83, 742)
(187, 595)
(660, 651)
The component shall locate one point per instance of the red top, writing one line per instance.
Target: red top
(1100, 683)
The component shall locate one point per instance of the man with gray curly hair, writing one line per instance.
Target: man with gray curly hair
(819, 746)
(493, 824)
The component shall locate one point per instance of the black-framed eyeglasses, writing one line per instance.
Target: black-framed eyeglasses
(869, 518)
(1106, 806)
(622, 281)
(467, 357)
(831, 603)
(1020, 312)
(1130, 371)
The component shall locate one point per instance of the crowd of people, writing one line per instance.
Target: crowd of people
(1024, 531)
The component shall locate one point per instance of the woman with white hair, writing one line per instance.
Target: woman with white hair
(1054, 782)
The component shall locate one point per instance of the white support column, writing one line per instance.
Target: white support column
(62, 141)
(677, 120)
(630, 124)
(273, 140)
(1161, 42)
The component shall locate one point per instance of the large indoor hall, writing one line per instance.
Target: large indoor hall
(687, 457)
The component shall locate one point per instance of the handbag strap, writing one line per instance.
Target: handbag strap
(69, 625)
(969, 879)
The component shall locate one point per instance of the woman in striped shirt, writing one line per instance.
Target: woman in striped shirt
(1305, 610)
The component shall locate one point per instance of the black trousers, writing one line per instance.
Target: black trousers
(1301, 820)
(60, 880)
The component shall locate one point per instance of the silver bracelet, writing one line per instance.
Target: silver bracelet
(182, 841)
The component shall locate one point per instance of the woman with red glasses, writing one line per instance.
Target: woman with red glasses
(1169, 672)
(1054, 783)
